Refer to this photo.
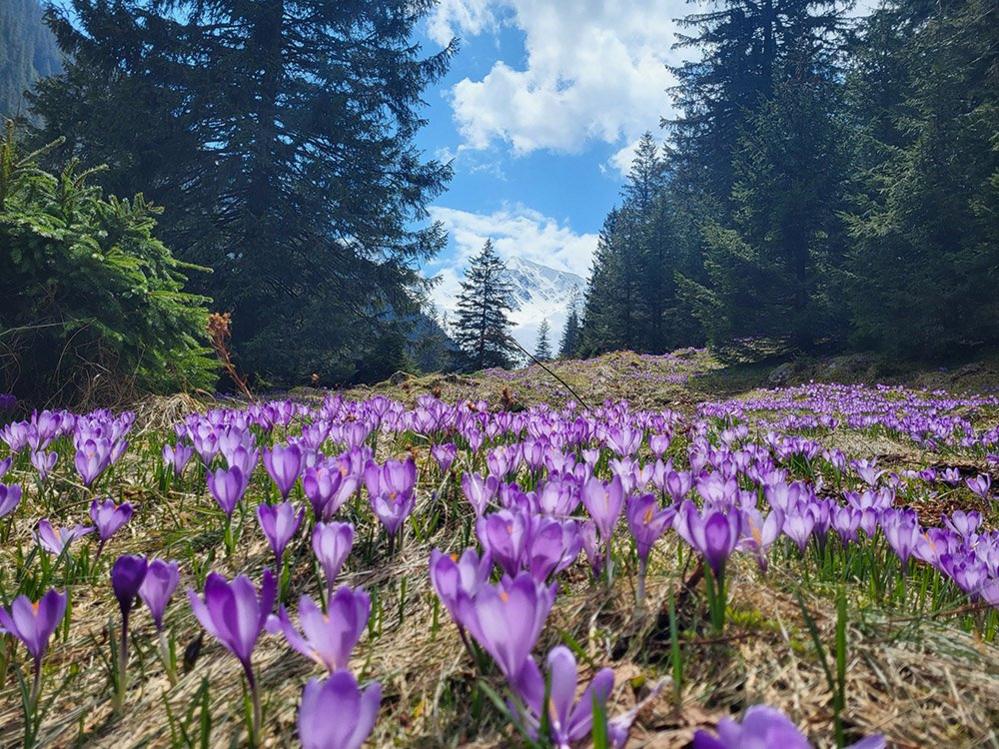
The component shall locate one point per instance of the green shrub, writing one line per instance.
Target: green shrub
(92, 305)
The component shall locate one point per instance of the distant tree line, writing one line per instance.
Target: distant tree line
(827, 182)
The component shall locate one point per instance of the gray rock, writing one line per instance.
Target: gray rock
(400, 377)
(781, 375)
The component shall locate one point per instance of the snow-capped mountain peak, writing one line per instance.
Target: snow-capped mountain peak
(540, 292)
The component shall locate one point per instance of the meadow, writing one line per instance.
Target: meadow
(642, 554)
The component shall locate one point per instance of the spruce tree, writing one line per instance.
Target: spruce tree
(924, 262)
(631, 297)
(570, 343)
(279, 136)
(744, 49)
(606, 304)
(760, 136)
(482, 328)
(773, 270)
(543, 348)
(93, 305)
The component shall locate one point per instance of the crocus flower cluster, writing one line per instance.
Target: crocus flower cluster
(537, 490)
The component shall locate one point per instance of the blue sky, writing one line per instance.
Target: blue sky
(539, 113)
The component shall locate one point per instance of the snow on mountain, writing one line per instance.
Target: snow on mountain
(540, 292)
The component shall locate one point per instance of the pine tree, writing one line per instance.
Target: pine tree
(746, 47)
(481, 327)
(543, 348)
(924, 265)
(606, 309)
(279, 135)
(92, 304)
(571, 334)
(773, 270)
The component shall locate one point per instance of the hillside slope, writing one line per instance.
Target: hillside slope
(28, 51)
(680, 379)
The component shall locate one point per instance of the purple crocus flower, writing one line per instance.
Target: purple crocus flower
(283, 464)
(227, 485)
(759, 533)
(444, 455)
(507, 619)
(504, 535)
(951, 476)
(678, 483)
(54, 540)
(326, 638)
(331, 543)
(658, 444)
(320, 484)
(964, 523)
(10, 498)
(44, 462)
(714, 533)
(980, 485)
(339, 695)
(245, 459)
(392, 510)
(479, 491)
(765, 726)
(5, 465)
(395, 477)
(390, 491)
(570, 720)
(177, 456)
(127, 574)
(109, 518)
(901, 528)
(279, 523)
(762, 726)
(157, 588)
(350, 466)
(34, 623)
(559, 496)
(846, 522)
(604, 501)
(798, 525)
(552, 546)
(235, 614)
(647, 522)
(453, 577)
(93, 456)
(990, 592)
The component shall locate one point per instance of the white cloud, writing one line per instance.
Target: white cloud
(452, 17)
(518, 231)
(594, 70)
